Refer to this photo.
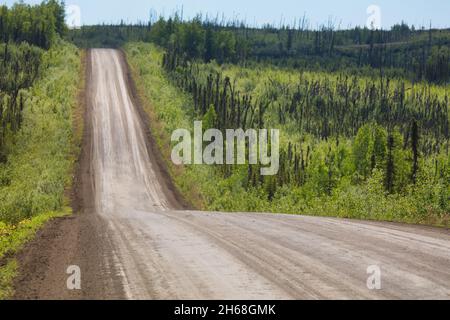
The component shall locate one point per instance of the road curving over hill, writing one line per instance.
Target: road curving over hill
(134, 239)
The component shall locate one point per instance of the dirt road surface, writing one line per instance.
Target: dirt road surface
(133, 240)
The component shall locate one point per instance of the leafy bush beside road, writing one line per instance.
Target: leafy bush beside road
(41, 153)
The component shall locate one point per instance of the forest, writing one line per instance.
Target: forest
(406, 51)
(25, 33)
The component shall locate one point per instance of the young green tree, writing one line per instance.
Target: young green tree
(438, 65)
(390, 165)
(415, 150)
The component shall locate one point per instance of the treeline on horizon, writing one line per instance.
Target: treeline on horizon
(26, 31)
(402, 51)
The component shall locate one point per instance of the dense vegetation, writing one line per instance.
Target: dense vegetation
(25, 32)
(352, 146)
(18, 70)
(34, 177)
(38, 84)
(37, 25)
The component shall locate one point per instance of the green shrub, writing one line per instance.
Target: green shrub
(40, 157)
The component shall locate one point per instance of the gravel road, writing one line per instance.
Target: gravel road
(133, 240)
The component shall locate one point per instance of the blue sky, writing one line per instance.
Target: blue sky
(343, 12)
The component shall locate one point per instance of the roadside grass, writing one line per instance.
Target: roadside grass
(167, 109)
(7, 274)
(13, 237)
(12, 240)
(35, 180)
